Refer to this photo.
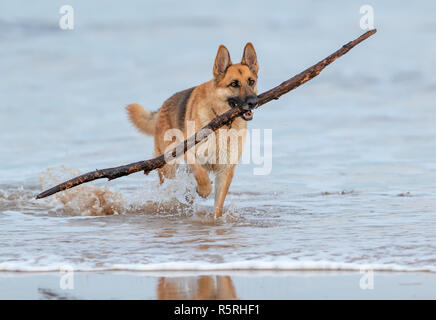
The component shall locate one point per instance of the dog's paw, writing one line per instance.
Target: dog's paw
(204, 190)
(218, 213)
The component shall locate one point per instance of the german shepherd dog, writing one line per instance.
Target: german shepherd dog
(233, 85)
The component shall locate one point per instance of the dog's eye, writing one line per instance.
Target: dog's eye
(251, 82)
(234, 84)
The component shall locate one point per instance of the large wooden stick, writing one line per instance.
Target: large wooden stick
(225, 118)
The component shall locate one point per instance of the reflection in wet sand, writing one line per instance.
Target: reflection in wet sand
(196, 288)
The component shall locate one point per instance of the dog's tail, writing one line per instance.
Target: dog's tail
(144, 120)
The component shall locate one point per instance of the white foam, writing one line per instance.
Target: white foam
(284, 265)
(281, 265)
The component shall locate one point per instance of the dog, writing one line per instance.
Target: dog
(233, 85)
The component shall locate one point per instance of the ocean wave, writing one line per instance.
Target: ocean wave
(285, 265)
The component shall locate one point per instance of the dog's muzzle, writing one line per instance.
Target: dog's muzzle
(249, 104)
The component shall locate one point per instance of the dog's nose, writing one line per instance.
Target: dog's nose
(252, 102)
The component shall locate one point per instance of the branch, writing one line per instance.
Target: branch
(225, 118)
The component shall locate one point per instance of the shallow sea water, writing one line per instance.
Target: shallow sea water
(353, 176)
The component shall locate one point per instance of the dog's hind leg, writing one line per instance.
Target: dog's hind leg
(169, 169)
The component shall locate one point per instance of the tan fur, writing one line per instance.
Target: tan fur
(201, 105)
(143, 119)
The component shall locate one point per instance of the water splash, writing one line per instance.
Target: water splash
(177, 196)
(86, 200)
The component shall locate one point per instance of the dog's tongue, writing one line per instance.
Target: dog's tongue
(247, 116)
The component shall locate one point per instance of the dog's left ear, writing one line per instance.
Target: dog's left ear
(249, 58)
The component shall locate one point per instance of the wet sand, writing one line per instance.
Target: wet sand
(234, 285)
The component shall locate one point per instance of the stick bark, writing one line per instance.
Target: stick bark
(225, 118)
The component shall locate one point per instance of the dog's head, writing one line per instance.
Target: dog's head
(237, 83)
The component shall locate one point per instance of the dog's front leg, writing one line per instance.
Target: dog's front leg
(223, 180)
(204, 186)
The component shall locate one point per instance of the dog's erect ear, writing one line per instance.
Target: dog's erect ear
(249, 58)
(222, 61)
